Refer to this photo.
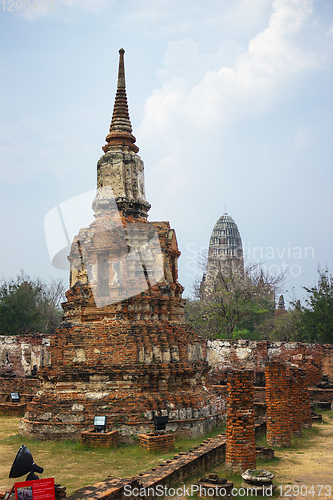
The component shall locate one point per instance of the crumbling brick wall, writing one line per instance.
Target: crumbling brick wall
(20, 353)
(222, 355)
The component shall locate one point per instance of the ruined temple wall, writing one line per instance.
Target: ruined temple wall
(20, 353)
(26, 351)
(315, 359)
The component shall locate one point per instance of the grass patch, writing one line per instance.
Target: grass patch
(304, 441)
(263, 463)
(74, 465)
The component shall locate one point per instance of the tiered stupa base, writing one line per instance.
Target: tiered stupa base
(63, 409)
(161, 370)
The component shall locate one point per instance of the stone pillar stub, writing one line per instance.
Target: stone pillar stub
(240, 432)
(277, 402)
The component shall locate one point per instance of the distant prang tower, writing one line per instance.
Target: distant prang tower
(225, 253)
(123, 349)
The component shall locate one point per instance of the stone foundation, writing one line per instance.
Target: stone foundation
(100, 439)
(153, 442)
(240, 432)
(128, 431)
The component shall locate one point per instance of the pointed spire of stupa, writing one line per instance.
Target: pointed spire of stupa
(120, 128)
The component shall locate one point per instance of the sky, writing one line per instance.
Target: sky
(230, 102)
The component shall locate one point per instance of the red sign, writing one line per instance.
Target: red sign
(40, 489)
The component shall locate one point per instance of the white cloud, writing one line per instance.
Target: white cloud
(203, 94)
(233, 91)
(184, 59)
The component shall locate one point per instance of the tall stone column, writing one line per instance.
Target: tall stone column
(278, 419)
(304, 397)
(240, 432)
(294, 380)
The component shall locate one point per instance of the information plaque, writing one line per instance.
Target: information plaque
(41, 489)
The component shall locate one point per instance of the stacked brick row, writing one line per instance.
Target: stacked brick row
(240, 431)
(13, 409)
(19, 384)
(295, 409)
(278, 420)
(105, 439)
(153, 442)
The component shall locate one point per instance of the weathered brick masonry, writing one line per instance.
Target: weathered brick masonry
(317, 360)
(20, 354)
(169, 473)
(105, 439)
(12, 409)
(222, 355)
(124, 349)
(310, 394)
(295, 408)
(240, 433)
(277, 402)
(154, 442)
(26, 386)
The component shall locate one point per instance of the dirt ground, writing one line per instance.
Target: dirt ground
(309, 465)
(303, 471)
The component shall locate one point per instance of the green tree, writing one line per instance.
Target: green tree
(30, 306)
(317, 316)
(235, 305)
(286, 327)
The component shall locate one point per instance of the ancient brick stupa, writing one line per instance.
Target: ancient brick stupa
(123, 349)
